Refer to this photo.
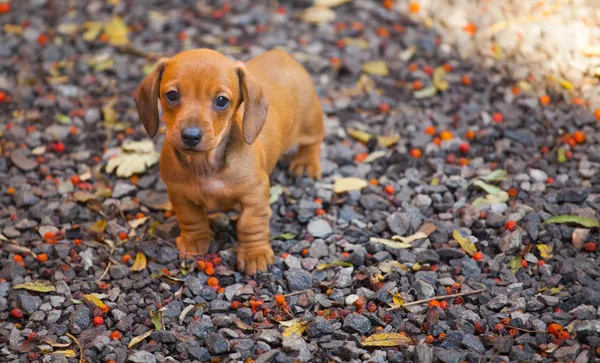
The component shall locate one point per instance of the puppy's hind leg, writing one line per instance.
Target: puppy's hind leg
(307, 160)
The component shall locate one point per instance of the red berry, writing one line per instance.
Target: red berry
(524, 264)
(59, 147)
(444, 305)
(236, 304)
(75, 180)
(511, 225)
(464, 148)
(590, 246)
(497, 117)
(541, 263)
(478, 256)
(384, 107)
(123, 236)
(33, 336)
(98, 320)
(16, 313)
(428, 70)
(116, 335)
(4, 7)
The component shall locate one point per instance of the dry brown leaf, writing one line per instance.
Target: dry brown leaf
(99, 226)
(386, 340)
(466, 245)
(140, 262)
(390, 243)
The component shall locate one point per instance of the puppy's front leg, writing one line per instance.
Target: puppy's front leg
(196, 233)
(254, 248)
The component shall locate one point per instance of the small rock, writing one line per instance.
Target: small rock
(320, 326)
(356, 323)
(21, 161)
(216, 343)
(299, 279)
(122, 189)
(28, 303)
(80, 319)
(142, 356)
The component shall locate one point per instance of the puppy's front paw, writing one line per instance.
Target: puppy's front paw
(191, 247)
(253, 258)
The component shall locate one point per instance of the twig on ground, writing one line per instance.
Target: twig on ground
(296, 293)
(418, 302)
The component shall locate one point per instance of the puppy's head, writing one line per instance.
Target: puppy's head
(200, 91)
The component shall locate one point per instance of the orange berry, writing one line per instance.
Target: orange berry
(320, 212)
(579, 137)
(73, 130)
(430, 130)
(77, 242)
(75, 180)
(414, 7)
(236, 305)
(444, 305)
(388, 4)
(478, 256)
(279, 300)
(413, 67)
(590, 246)
(578, 101)
(285, 255)
(428, 70)
(434, 303)
(497, 117)
(374, 181)
(384, 107)
(470, 28)
(466, 80)
(417, 85)
(335, 61)
(4, 7)
(304, 252)
(340, 26)
(389, 189)
(126, 258)
(359, 158)
(116, 335)
(42, 257)
(544, 100)
(516, 90)
(554, 329)
(210, 270)
(212, 281)
(357, 25)
(18, 258)
(541, 263)
(383, 33)
(123, 236)
(42, 39)
(446, 135)
(447, 67)
(11, 191)
(318, 201)
(564, 335)
(463, 161)
(48, 235)
(437, 141)
(513, 192)
(511, 225)
(524, 264)
(549, 180)
(429, 339)
(340, 43)
(415, 153)
(98, 320)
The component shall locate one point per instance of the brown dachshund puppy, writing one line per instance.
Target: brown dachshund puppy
(227, 124)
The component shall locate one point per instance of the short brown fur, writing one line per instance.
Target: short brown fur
(272, 107)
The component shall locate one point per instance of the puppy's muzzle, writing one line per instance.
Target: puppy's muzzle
(191, 136)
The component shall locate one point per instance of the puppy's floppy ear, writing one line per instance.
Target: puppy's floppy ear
(146, 98)
(256, 104)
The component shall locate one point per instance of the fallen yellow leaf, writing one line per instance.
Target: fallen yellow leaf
(466, 245)
(545, 251)
(377, 68)
(297, 329)
(342, 185)
(386, 340)
(140, 262)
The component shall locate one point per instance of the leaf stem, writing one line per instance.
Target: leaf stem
(418, 302)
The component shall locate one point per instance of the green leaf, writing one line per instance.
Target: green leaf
(501, 197)
(285, 236)
(157, 320)
(275, 193)
(515, 264)
(562, 155)
(582, 221)
(333, 264)
(490, 189)
(390, 243)
(496, 175)
(37, 286)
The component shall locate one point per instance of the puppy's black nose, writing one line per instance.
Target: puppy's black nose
(191, 136)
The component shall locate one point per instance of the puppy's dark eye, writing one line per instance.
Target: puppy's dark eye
(172, 96)
(221, 103)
